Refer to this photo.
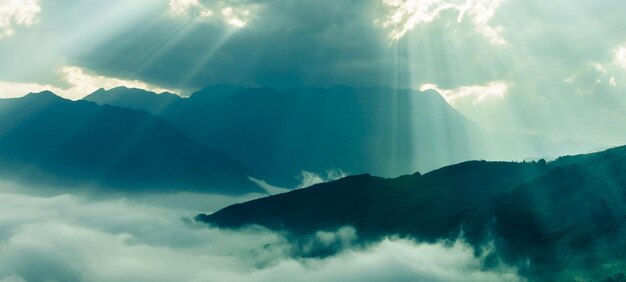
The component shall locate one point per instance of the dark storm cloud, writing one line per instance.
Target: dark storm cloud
(284, 44)
(547, 53)
(291, 44)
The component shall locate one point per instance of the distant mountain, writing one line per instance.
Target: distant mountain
(383, 131)
(133, 98)
(558, 221)
(50, 140)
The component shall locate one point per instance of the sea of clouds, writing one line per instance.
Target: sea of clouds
(68, 237)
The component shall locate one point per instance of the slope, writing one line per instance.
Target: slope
(47, 139)
(554, 221)
(377, 130)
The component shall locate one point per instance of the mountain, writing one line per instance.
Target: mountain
(50, 140)
(378, 130)
(134, 98)
(558, 221)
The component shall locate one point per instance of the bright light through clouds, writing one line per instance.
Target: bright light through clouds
(189, 8)
(17, 12)
(81, 83)
(218, 11)
(233, 17)
(619, 58)
(475, 93)
(405, 15)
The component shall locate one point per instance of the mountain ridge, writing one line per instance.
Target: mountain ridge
(81, 143)
(379, 130)
(551, 220)
(133, 98)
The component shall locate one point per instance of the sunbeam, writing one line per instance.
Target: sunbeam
(210, 52)
(312, 140)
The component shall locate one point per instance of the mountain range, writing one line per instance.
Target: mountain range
(45, 139)
(382, 131)
(558, 221)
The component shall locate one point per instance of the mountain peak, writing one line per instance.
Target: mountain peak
(68, 143)
(46, 94)
(133, 98)
(123, 90)
(432, 93)
(129, 91)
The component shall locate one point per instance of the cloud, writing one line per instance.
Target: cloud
(475, 93)
(308, 178)
(404, 15)
(70, 238)
(285, 44)
(270, 189)
(619, 58)
(81, 83)
(17, 13)
(229, 13)
(185, 7)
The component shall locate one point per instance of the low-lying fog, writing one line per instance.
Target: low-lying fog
(68, 237)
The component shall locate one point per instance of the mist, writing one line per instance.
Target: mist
(68, 237)
(357, 140)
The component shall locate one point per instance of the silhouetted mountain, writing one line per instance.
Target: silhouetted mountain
(50, 140)
(133, 98)
(554, 221)
(383, 131)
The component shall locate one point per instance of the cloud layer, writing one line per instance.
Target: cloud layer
(546, 52)
(71, 238)
(15, 13)
(405, 16)
(79, 82)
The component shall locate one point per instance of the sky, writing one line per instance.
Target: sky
(555, 68)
